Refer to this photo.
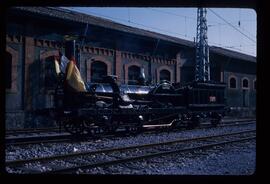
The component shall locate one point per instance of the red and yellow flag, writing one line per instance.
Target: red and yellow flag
(57, 67)
(74, 78)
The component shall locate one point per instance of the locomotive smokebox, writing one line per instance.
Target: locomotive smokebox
(70, 49)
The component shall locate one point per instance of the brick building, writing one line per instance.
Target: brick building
(35, 34)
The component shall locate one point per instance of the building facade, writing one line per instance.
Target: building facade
(36, 34)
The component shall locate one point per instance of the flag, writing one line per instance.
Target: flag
(64, 62)
(74, 78)
(57, 67)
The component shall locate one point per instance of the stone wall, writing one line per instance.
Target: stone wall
(21, 119)
(235, 96)
(14, 119)
(38, 121)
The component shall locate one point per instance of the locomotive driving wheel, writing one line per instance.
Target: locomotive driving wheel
(97, 131)
(194, 122)
(216, 119)
(133, 130)
(214, 122)
(74, 127)
(96, 128)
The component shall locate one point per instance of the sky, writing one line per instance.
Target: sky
(230, 28)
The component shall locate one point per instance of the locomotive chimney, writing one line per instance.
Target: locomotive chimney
(70, 49)
(141, 79)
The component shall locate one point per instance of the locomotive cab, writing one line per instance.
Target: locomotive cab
(208, 98)
(206, 94)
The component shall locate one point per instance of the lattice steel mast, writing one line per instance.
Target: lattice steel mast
(202, 69)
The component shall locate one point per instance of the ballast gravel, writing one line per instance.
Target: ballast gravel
(233, 159)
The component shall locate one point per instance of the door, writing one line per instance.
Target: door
(245, 98)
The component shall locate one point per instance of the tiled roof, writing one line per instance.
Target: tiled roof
(232, 54)
(102, 22)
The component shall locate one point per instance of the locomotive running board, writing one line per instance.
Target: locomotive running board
(160, 125)
(130, 111)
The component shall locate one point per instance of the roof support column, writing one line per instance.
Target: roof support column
(118, 63)
(177, 66)
(29, 59)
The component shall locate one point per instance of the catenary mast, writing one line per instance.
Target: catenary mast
(202, 68)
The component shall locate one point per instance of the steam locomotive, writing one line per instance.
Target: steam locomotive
(106, 107)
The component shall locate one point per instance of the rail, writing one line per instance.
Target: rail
(136, 147)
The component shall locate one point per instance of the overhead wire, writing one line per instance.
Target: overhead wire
(167, 31)
(239, 24)
(133, 22)
(170, 13)
(219, 24)
(231, 25)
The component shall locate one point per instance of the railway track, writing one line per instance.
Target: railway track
(32, 130)
(232, 123)
(237, 121)
(15, 132)
(54, 137)
(114, 156)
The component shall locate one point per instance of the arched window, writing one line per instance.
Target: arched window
(245, 83)
(254, 84)
(233, 82)
(133, 74)
(165, 75)
(50, 74)
(8, 70)
(98, 70)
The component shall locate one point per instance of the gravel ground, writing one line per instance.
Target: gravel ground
(235, 159)
(205, 163)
